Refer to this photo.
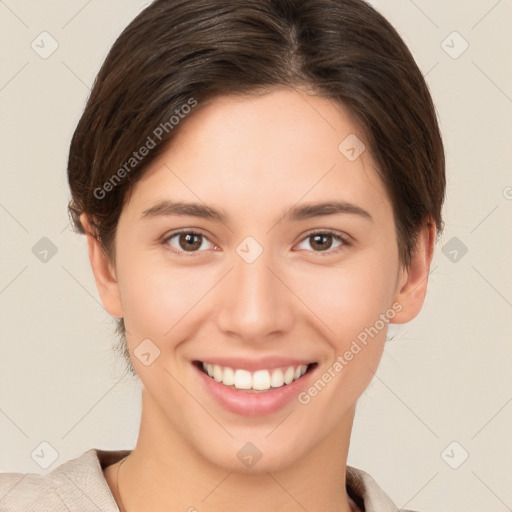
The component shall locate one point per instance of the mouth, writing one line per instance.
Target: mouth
(259, 381)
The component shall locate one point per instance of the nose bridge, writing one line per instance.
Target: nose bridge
(255, 304)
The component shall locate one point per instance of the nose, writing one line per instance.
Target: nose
(254, 303)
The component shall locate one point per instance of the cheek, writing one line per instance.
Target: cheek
(353, 304)
(158, 298)
(350, 297)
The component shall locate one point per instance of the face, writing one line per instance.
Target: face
(261, 281)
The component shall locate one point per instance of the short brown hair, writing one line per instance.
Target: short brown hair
(176, 50)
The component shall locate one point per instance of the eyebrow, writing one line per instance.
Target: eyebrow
(296, 213)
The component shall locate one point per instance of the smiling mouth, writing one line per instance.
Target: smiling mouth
(254, 382)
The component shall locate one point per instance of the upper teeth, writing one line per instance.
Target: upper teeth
(259, 380)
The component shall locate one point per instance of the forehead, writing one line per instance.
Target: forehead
(249, 153)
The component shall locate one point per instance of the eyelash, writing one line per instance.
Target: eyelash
(345, 241)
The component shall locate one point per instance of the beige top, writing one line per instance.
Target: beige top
(79, 485)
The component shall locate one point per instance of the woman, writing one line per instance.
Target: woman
(261, 185)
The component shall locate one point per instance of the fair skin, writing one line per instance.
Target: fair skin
(254, 158)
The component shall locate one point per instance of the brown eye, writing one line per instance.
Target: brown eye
(322, 241)
(186, 241)
(189, 241)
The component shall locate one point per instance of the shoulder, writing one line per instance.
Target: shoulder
(78, 484)
(368, 495)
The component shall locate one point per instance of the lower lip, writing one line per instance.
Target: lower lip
(254, 404)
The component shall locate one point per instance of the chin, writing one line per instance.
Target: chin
(252, 457)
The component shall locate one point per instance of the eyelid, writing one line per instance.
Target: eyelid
(339, 234)
(343, 237)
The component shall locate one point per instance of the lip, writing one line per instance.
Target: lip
(253, 404)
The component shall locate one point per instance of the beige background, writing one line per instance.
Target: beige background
(445, 377)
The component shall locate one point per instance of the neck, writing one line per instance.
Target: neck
(165, 471)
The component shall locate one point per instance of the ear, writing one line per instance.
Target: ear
(412, 282)
(103, 270)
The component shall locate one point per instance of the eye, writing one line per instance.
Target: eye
(323, 240)
(186, 241)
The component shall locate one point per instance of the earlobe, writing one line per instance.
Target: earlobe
(103, 270)
(412, 285)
